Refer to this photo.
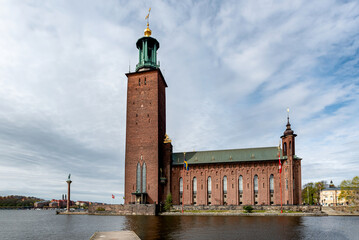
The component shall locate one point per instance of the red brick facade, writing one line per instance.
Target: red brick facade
(150, 174)
(145, 130)
(233, 171)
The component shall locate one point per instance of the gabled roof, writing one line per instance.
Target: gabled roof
(228, 156)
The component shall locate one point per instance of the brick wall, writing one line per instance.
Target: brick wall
(145, 129)
(232, 171)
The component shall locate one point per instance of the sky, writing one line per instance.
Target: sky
(232, 69)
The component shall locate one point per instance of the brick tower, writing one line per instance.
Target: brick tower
(291, 175)
(145, 125)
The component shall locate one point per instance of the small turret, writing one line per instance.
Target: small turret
(147, 47)
(288, 139)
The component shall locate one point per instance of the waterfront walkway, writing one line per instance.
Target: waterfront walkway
(124, 235)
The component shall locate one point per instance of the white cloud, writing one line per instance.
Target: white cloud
(232, 69)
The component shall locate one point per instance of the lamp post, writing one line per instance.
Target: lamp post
(68, 192)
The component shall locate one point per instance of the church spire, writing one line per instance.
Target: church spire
(288, 130)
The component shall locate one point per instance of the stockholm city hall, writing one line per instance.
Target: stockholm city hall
(220, 177)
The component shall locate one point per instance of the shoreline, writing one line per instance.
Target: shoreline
(229, 213)
(253, 214)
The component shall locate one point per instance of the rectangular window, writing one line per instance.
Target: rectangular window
(286, 184)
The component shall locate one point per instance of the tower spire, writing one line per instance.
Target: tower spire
(147, 47)
(288, 117)
(288, 130)
(148, 31)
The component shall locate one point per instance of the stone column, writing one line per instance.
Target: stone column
(68, 194)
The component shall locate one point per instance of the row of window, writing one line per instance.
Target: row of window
(240, 184)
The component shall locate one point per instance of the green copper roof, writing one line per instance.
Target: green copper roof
(227, 156)
(147, 47)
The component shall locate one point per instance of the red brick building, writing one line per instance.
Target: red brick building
(221, 177)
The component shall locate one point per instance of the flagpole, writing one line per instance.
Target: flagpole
(281, 204)
(182, 191)
(184, 159)
(280, 179)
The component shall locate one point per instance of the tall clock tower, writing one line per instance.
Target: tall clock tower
(145, 125)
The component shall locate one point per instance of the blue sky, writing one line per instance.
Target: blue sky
(232, 69)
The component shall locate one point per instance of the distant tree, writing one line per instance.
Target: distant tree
(311, 192)
(18, 201)
(307, 193)
(168, 203)
(350, 191)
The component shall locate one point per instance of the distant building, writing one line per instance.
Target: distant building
(82, 203)
(330, 196)
(59, 203)
(41, 204)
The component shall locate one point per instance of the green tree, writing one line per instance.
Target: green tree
(308, 193)
(168, 203)
(311, 192)
(349, 190)
(248, 209)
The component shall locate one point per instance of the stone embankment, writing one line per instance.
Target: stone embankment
(123, 209)
(291, 208)
(341, 210)
(239, 211)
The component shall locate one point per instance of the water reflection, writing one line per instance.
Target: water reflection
(46, 225)
(214, 227)
(235, 227)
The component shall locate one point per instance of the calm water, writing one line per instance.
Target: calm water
(31, 224)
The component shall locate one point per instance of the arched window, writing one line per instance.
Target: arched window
(144, 177)
(255, 183)
(209, 185)
(225, 184)
(138, 178)
(285, 149)
(209, 190)
(240, 189)
(271, 183)
(225, 190)
(240, 184)
(181, 189)
(271, 188)
(181, 185)
(194, 200)
(194, 185)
